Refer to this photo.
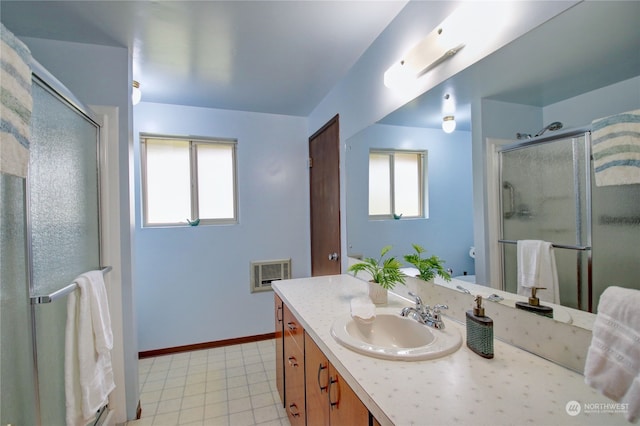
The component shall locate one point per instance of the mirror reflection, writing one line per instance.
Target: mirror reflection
(565, 71)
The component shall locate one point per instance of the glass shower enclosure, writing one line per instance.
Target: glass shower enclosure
(50, 235)
(548, 192)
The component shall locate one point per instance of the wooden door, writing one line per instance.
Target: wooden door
(324, 178)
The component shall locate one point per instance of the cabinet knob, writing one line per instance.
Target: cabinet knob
(292, 325)
(293, 361)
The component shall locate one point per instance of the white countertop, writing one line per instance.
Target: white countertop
(513, 388)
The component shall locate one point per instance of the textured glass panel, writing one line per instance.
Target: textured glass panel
(63, 185)
(168, 181)
(216, 192)
(63, 189)
(616, 235)
(17, 393)
(379, 184)
(407, 184)
(543, 188)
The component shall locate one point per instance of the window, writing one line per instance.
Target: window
(397, 184)
(188, 179)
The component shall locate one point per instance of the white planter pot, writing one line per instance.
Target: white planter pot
(377, 294)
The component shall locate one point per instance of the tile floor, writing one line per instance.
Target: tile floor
(227, 386)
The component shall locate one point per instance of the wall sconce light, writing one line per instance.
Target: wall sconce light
(433, 50)
(136, 94)
(448, 123)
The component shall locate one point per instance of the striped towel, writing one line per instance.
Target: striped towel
(616, 149)
(15, 104)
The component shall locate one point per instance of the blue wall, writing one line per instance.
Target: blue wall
(448, 231)
(192, 283)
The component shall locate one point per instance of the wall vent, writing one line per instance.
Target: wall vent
(263, 273)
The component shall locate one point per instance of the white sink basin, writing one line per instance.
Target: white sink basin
(391, 336)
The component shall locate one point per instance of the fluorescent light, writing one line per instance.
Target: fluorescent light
(422, 58)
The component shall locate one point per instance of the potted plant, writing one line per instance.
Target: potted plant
(385, 274)
(428, 267)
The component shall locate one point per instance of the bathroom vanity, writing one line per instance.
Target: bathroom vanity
(459, 388)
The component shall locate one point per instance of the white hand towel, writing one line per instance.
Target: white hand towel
(537, 268)
(88, 340)
(613, 360)
(363, 309)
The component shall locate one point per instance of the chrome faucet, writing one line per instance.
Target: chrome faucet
(424, 314)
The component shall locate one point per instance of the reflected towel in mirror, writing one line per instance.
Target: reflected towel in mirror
(613, 360)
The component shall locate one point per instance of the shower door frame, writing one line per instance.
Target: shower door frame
(581, 245)
(53, 86)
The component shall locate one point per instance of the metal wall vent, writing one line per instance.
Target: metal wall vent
(263, 273)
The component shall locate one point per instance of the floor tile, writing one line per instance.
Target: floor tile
(226, 386)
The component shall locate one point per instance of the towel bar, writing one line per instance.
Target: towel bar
(561, 246)
(48, 298)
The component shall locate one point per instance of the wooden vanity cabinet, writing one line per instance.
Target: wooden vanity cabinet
(330, 400)
(293, 341)
(279, 335)
(314, 393)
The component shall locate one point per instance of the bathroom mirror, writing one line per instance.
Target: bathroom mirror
(520, 88)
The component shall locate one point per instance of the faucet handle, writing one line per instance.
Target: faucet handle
(436, 309)
(417, 299)
(439, 306)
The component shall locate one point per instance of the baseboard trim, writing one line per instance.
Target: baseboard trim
(205, 345)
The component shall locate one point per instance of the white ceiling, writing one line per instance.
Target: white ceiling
(278, 57)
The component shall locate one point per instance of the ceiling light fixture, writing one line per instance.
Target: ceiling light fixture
(448, 123)
(136, 94)
(433, 50)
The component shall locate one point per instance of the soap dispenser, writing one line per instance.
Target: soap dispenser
(479, 330)
(534, 304)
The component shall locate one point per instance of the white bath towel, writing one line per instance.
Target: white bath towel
(537, 268)
(88, 342)
(363, 309)
(616, 149)
(613, 360)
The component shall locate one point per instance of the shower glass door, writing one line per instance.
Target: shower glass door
(63, 219)
(17, 390)
(544, 194)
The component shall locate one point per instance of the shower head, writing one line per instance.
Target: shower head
(523, 136)
(556, 125)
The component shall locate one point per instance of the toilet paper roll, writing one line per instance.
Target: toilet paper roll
(472, 252)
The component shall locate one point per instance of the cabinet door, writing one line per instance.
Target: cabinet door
(345, 406)
(279, 336)
(316, 384)
(294, 369)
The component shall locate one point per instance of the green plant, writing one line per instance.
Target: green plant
(385, 272)
(429, 267)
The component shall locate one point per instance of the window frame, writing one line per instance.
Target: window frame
(193, 177)
(422, 184)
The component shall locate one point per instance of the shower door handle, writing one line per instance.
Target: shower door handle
(512, 200)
